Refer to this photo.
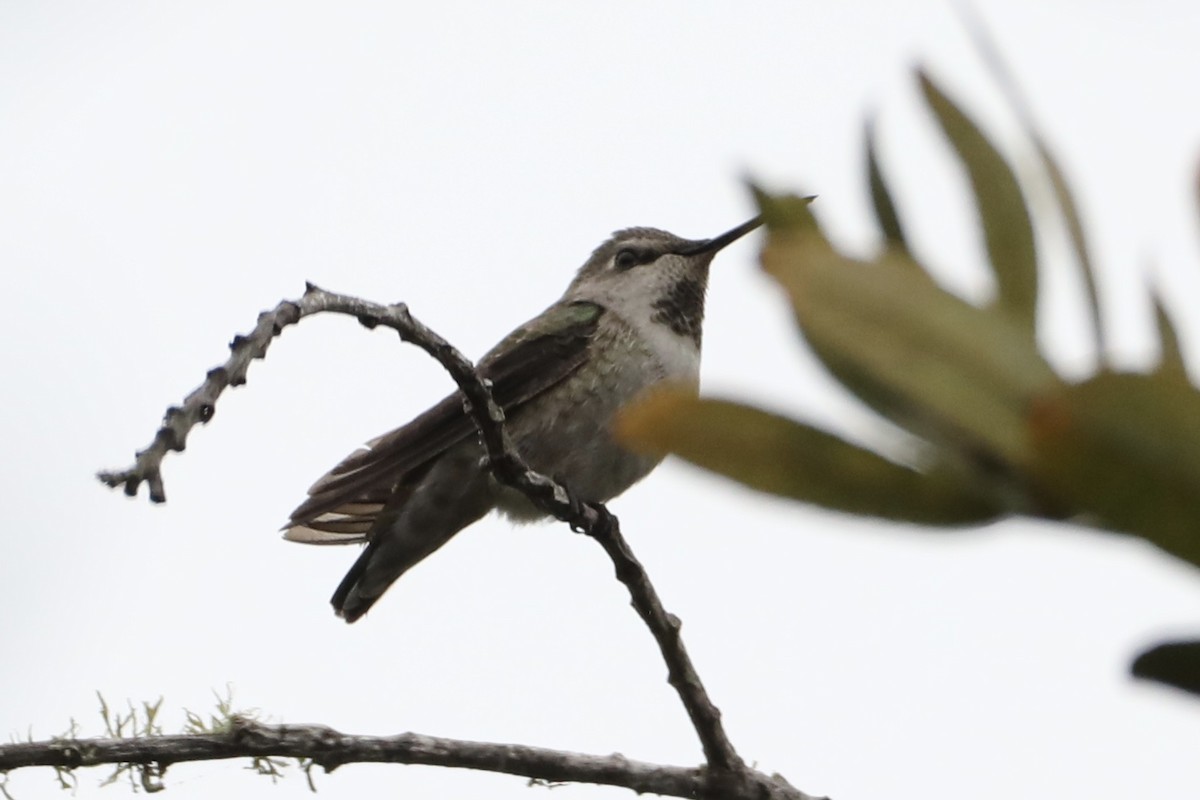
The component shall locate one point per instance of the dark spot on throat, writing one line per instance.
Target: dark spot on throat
(682, 308)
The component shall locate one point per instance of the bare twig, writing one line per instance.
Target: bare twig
(330, 749)
(723, 764)
(200, 405)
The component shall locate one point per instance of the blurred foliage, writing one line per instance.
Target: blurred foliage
(998, 431)
(1173, 663)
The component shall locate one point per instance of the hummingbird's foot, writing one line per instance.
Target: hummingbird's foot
(605, 520)
(580, 513)
(577, 509)
(593, 519)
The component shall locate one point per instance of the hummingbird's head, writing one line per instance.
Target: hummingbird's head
(646, 272)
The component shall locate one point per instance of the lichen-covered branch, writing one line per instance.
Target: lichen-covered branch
(330, 749)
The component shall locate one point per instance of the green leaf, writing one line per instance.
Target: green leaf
(784, 211)
(954, 374)
(1070, 212)
(881, 198)
(1058, 182)
(1124, 451)
(1173, 663)
(1170, 356)
(1007, 229)
(777, 455)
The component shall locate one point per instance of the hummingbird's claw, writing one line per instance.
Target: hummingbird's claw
(578, 508)
(605, 520)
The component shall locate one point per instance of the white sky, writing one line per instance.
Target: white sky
(168, 170)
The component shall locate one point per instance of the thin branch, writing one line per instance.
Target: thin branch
(330, 749)
(719, 752)
(200, 405)
(593, 519)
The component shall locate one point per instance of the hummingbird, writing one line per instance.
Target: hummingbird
(631, 318)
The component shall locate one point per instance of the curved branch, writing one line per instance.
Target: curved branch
(200, 405)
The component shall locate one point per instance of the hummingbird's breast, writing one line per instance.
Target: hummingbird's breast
(566, 432)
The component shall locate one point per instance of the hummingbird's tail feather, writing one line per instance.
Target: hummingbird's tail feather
(356, 490)
(349, 523)
(345, 605)
(424, 513)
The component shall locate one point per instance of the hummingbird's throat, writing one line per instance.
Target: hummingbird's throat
(681, 308)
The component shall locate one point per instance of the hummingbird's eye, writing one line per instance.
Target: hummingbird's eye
(626, 259)
(629, 257)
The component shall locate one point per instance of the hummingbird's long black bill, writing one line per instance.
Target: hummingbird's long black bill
(717, 242)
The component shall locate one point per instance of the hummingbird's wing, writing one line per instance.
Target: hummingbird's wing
(343, 505)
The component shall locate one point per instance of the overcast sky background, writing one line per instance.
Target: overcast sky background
(169, 170)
